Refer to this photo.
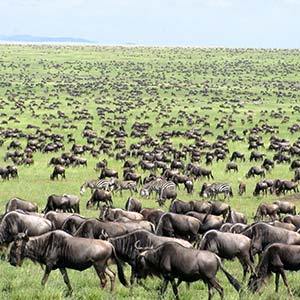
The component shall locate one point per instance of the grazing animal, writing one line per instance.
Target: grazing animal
(66, 203)
(100, 196)
(286, 207)
(286, 185)
(126, 249)
(108, 173)
(15, 222)
(234, 217)
(208, 221)
(214, 189)
(102, 184)
(58, 170)
(229, 245)
(263, 235)
(71, 224)
(179, 226)
(133, 205)
(276, 259)
(260, 187)
(236, 155)
(112, 214)
(59, 250)
(265, 209)
(255, 171)
(242, 188)
(167, 191)
(231, 166)
(18, 203)
(171, 260)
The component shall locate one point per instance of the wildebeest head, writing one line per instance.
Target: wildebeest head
(143, 269)
(16, 254)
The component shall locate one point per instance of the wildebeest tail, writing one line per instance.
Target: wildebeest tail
(120, 268)
(230, 278)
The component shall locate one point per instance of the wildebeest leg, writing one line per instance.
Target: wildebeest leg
(245, 267)
(282, 273)
(65, 276)
(132, 277)
(46, 275)
(100, 272)
(139, 282)
(210, 290)
(111, 276)
(175, 290)
(215, 284)
(164, 287)
(277, 282)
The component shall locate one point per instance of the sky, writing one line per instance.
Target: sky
(206, 23)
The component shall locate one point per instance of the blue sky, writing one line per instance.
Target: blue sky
(230, 23)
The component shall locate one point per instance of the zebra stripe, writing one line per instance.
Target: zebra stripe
(152, 186)
(167, 191)
(217, 188)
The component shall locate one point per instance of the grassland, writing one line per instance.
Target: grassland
(145, 85)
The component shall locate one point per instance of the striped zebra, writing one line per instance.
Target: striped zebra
(212, 190)
(165, 189)
(152, 186)
(102, 184)
(119, 185)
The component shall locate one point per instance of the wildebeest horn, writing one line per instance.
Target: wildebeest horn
(136, 246)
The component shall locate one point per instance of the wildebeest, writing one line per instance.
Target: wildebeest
(94, 228)
(275, 259)
(57, 218)
(179, 226)
(171, 260)
(295, 220)
(285, 207)
(256, 156)
(235, 217)
(16, 222)
(286, 185)
(236, 155)
(208, 221)
(260, 187)
(58, 170)
(100, 196)
(108, 173)
(263, 235)
(71, 224)
(265, 209)
(133, 205)
(18, 203)
(111, 214)
(231, 166)
(255, 171)
(229, 245)
(242, 188)
(66, 203)
(197, 171)
(125, 246)
(59, 250)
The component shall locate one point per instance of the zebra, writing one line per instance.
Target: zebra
(102, 184)
(214, 189)
(119, 185)
(167, 191)
(149, 187)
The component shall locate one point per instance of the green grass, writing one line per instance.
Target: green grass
(158, 84)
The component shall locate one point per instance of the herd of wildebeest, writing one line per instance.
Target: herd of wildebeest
(193, 228)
